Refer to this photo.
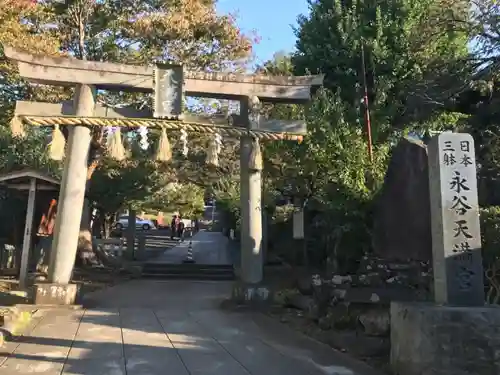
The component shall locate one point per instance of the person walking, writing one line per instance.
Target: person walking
(174, 227)
(181, 230)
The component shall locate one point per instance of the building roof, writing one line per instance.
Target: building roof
(23, 177)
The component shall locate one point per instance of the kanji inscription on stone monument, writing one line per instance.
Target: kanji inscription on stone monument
(168, 91)
(456, 236)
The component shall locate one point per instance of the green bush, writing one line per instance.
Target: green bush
(490, 233)
(331, 173)
(229, 209)
(490, 237)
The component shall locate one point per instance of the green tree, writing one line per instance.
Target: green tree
(136, 32)
(189, 31)
(326, 173)
(331, 175)
(19, 31)
(26, 153)
(401, 49)
(480, 99)
(117, 185)
(187, 199)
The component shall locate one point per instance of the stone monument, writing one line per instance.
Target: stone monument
(457, 334)
(456, 236)
(402, 224)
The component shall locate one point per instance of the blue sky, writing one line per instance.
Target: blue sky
(271, 19)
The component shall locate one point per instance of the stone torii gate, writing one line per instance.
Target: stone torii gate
(169, 84)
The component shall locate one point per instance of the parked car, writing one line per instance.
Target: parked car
(140, 223)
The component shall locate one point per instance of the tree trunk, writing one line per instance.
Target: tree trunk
(85, 252)
(43, 250)
(265, 236)
(97, 228)
(107, 221)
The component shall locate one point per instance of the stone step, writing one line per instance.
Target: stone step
(189, 276)
(188, 271)
(188, 267)
(180, 271)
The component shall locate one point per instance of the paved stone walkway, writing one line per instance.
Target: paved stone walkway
(147, 327)
(208, 248)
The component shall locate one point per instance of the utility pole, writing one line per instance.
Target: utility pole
(365, 100)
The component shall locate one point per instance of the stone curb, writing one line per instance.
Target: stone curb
(34, 308)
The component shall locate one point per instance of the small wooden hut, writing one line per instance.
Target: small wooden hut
(27, 213)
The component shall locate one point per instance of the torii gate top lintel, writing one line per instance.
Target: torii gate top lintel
(66, 71)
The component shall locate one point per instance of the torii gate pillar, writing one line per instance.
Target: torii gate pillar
(248, 289)
(251, 212)
(59, 291)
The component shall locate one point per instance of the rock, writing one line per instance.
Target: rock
(372, 279)
(325, 323)
(339, 280)
(418, 277)
(359, 345)
(384, 294)
(339, 293)
(402, 227)
(316, 280)
(40, 278)
(305, 285)
(305, 304)
(409, 274)
(366, 264)
(375, 322)
(338, 317)
(399, 266)
(391, 280)
(323, 295)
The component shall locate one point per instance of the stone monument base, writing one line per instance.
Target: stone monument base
(428, 339)
(251, 294)
(55, 294)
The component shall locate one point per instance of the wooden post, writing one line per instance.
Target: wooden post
(131, 230)
(72, 193)
(30, 210)
(251, 215)
(141, 248)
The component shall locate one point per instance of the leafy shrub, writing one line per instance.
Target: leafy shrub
(490, 237)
